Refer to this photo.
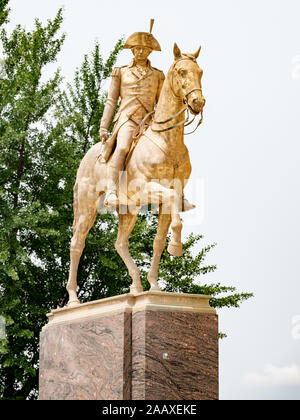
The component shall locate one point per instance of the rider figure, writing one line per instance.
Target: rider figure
(139, 85)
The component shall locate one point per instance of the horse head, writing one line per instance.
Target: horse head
(186, 79)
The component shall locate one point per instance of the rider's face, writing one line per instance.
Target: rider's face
(141, 53)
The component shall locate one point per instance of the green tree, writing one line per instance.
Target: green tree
(25, 102)
(45, 131)
(4, 11)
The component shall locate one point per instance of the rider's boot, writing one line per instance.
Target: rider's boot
(111, 198)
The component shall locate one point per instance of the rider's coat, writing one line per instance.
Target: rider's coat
(139, 90)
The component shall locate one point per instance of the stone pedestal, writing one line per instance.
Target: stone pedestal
(150, 346)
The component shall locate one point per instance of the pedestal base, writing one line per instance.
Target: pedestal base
(152, 346)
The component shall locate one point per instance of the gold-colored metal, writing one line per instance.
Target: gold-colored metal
(157, 158)
(139, 90)
(151, 25)
(142, 38)
(145, 39)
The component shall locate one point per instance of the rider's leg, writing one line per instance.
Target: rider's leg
(111, 198)
(116, 162)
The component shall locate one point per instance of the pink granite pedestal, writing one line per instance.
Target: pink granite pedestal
(150, 346)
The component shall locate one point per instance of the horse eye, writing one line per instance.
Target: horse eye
(182, 72)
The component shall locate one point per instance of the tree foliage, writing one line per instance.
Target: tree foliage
(45, 130)
(4, 11)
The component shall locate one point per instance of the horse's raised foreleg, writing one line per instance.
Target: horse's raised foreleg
(175, 245)
(84, 219)
(126, 224)
(171, 202)
(164, 221)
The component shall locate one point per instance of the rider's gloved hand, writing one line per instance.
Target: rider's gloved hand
(103, 133)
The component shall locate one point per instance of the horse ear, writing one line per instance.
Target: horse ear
(176, 51)
(196, 54)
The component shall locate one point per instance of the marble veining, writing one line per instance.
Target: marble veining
(87, 360)
(190, 370)
(141, 355)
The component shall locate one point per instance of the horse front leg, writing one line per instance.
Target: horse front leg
(171, 204)
(164, 221)
(126, 224)
(175, 245)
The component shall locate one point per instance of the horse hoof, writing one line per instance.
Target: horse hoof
(187, 205)
(73, 303)
(175, 249)
(135, 290)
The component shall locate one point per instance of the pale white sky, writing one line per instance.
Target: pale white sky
(246, 155)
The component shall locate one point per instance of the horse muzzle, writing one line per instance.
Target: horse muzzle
(196, 105)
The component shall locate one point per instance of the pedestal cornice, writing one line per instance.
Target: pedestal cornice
(145, 301)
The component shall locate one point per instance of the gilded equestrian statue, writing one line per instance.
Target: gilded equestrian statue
(145, 161)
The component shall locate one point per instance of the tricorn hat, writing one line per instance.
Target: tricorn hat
(143, 38)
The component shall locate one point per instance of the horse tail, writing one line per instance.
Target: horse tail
(75, 206)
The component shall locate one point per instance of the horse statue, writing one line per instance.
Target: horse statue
(156, 172)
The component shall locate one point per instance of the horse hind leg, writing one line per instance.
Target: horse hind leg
(164, 221)
(77, 246)
(126, 224)
(84, 218)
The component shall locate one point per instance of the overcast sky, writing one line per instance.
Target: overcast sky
(245, 158)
